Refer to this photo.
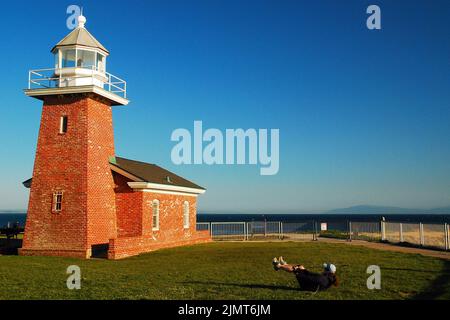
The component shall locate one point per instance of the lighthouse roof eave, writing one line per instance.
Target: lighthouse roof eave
(80, 37)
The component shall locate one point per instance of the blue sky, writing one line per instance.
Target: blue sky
(363, 115)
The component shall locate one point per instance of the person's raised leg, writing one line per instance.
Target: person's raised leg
(286, 267)
(280, 264)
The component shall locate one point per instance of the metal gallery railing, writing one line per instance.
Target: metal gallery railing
(61, 77)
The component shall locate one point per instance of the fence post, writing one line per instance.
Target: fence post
(446, 236)
(383, 230)
(349, 231)
(421, 235)
(265, 228)
(315, 231)
(281, 230)
(401, 232)
(245, 231)
(210, 229)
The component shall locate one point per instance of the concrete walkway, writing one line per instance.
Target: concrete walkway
(391, 247)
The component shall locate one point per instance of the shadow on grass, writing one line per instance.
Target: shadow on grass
(10, 246)
(446, 272)
(413, 245)
(439, 287)
(242, 285)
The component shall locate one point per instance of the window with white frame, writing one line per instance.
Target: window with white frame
(57, 201)
(100, 62)
(186, 214)
(155, 215)
(63, 124)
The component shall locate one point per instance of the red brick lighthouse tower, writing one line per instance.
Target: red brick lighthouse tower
(72, 202)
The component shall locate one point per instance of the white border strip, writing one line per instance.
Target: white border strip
(156, 187)
(175, 193)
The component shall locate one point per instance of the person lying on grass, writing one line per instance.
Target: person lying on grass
(309, 281)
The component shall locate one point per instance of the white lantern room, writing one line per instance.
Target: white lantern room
(80, 67)
(80, 59)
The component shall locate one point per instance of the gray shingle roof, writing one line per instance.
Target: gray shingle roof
(80, 36)
(152, 173)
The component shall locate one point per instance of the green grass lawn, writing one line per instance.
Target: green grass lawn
(226, 271)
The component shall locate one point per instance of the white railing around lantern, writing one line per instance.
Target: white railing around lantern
(53, 77)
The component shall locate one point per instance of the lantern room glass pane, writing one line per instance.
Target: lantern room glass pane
(57, 59)
(100, 62)
(68, 58)
(85, 59)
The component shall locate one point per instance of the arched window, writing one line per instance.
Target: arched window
(186, 214)
(155, 215)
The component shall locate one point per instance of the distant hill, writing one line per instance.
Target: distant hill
(367, 209)
(12, 211)
(443, 210)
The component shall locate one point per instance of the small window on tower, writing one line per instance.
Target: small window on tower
(57, 201)
(63, 125)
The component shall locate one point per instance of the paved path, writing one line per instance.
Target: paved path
(391, 247)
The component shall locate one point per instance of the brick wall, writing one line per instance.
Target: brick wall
(128, 207)
(101, 208)
(98, 207)
(75, 163)
(170, 215)
(130, 246)
(136, 237)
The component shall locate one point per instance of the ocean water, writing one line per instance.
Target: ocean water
(12, 218)
(425, 218)
(332, 219)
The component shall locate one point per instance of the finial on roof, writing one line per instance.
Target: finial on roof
(81, 20)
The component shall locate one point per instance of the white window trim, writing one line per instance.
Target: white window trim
(174, 193)
(186, 222)
(55, 201)
(164, 187)
(61, 122)
(157, 214)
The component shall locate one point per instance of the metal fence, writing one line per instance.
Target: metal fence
(417, 234)
(430, 235)
(370, 231)
(228, 230)
(299, 230)
(261, 229)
